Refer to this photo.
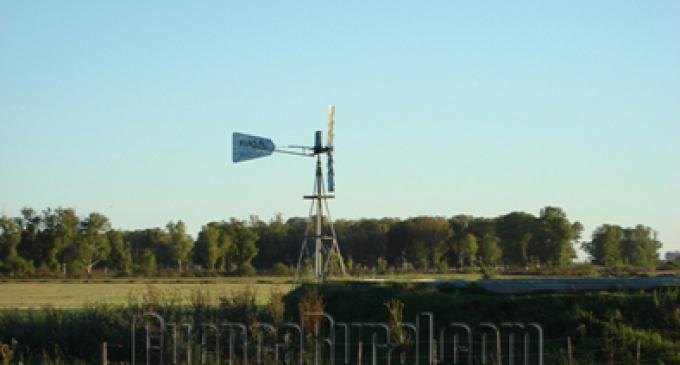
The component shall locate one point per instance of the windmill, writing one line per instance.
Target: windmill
(319, 250)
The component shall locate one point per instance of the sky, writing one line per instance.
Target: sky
(442, 108)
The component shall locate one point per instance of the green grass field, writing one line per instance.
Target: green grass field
(78, 293)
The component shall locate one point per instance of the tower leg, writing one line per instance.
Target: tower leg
(303, 249)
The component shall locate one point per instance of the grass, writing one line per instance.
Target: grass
(71, 294)
(76, 293)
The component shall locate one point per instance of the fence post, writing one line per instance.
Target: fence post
(499, 359)
(434, 354)
(569, 351)
(105, 357)
(637, 352)
(359, 352)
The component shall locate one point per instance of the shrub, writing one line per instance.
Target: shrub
(276, 307)
(147, 264)
(381, 265)
(488, 273)
(279, 269)
(247, 270)
(241, 304)
(17, 265)
(310, 302)
(395, 314)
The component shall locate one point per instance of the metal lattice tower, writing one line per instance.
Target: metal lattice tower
(320, 246)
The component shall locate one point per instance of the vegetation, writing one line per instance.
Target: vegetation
(604, 327)
(79, 293)
(50, 336)
(59, 243)
(616, 246)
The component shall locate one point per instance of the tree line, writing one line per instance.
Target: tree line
(59, 241)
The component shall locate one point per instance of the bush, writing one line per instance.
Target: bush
(241, 304)
(488, 273)
(279, 269)
(381, 265)
(276, 308)
(668, 265)
(147, 263)
(247, 270)
(311, 302)
(17, 265)
(395, 313)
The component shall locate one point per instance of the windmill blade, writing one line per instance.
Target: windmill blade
(331, 124)
(246, 147)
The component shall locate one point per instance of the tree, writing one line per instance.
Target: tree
(147, 264)
(605, 246)
(226, 251)
(206, 250)
(484, 229)
(271, 244)
(365, 238)
(92, 246)
(57, 239)
(467, 250)
(243, 250)
(180, 243)
(44, 238)
(554, 237)
(59, 235)
(639, 247)
(613, 245)
(10, 237)
(460, 225)
(66, 233)
(515, 231)
(422, 240)
(120, 258)
(31, 243)
(156, 240)
(489, 252)
(297, 227)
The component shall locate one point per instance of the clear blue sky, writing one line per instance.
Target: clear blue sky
(126, 108)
